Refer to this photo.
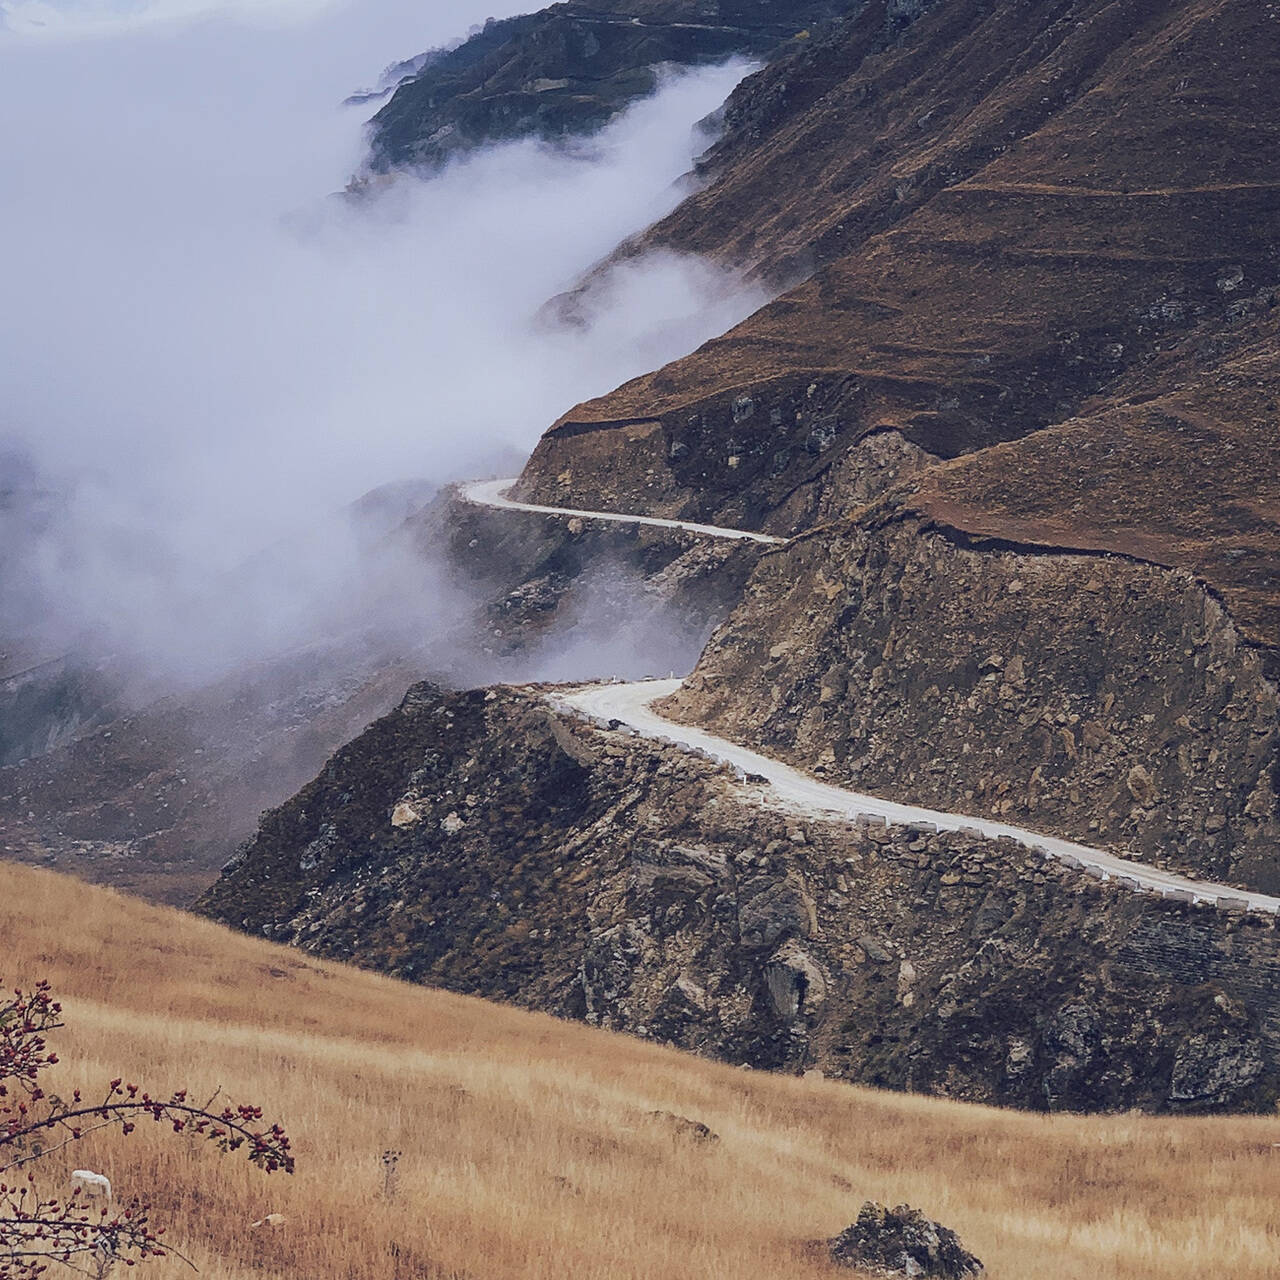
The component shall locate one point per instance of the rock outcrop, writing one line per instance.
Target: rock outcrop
(902, 1242)
(1107, 700)
(481, 842)
(624, 600)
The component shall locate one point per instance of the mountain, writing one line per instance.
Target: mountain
(1011, 217)
(1008, 421)
(1021, 410)
(568, 69)
(536, 1148)
(1008, 427)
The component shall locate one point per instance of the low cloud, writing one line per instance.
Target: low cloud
(208, 353)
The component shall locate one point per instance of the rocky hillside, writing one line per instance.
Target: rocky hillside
(484, 843)
(154, 798)
(1104, 699)
(568, 69)
(1013, 408)
(1023, 405)
(45, 703)
(154, 793)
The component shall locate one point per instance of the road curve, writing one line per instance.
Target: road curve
(631, 705)
(493, 493)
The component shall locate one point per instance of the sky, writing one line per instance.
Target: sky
(207, 351)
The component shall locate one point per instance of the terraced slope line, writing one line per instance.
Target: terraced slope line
(632, 705)
(493, 493)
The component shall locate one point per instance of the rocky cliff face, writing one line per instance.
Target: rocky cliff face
(567, 70)
(566, 596)
(481, 842)
(1097, 697)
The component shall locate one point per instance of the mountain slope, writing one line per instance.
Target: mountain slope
(1021, 214)
(482, 842)
(1023, 412)
(567, 70)
(529, 1145)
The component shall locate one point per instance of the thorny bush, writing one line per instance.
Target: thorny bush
(38, 1229)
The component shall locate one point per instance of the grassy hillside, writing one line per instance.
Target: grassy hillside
(528, 1146)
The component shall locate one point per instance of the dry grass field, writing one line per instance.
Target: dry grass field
(528, 1148)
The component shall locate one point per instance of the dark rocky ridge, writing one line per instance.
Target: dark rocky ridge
(481, 842)
(568, 69)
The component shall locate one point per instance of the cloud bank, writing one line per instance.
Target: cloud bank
(207, 352)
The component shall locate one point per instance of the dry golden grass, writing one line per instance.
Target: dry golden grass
(528, 1150)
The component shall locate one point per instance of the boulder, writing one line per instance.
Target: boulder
(902, 1242)
(1142, 786)
(772, 910)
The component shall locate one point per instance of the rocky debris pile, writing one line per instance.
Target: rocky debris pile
(902, 1242)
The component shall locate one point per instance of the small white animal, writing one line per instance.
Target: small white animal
(390, 1173)
(271, 1220)
(92, 1184)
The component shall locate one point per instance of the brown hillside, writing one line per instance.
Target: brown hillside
(1022, 211)
(529, 1147)
(1185, 478)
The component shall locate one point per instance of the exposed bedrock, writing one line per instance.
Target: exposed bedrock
(1090, 696)
(480, 842)
(778, 460)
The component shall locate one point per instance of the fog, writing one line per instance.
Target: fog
(207, 353)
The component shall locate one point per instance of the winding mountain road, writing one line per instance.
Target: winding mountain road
(631, 705)
(493, 493)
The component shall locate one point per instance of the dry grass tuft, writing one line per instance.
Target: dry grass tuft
(529, 1145)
